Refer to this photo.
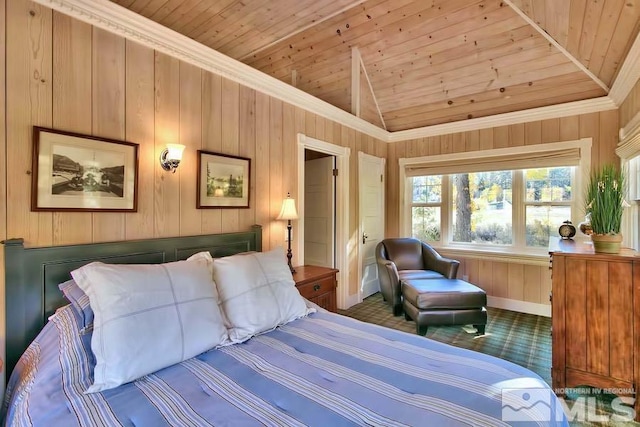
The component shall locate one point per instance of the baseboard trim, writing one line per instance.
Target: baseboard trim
(350, 301)
(520, 306)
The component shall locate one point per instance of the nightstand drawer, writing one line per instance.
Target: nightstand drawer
(317, 287)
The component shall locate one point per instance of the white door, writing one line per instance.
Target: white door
(371, 207)
(319, 208)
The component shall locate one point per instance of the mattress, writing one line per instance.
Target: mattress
(321, 370)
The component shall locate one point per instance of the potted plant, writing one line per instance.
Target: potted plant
(605, 202)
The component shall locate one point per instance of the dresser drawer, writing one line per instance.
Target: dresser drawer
(317, 287)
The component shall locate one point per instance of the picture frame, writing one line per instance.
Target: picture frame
(83, 173)
(223, 181)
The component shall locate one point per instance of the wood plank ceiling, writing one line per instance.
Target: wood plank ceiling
(427, 62)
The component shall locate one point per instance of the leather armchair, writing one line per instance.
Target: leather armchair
(408, 258)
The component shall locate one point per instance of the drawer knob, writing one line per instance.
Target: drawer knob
(316, 287)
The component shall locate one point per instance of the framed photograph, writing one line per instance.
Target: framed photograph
(223, 181)
(73, 172)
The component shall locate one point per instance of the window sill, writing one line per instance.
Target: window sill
(535, 257)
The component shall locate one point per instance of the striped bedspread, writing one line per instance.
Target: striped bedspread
(323, 370)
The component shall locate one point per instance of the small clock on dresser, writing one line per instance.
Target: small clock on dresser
(567, 230)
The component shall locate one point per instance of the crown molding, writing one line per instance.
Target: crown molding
(121, 21)
(542, 113)
(628, 75)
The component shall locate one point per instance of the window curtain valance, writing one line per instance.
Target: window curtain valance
(499, 160)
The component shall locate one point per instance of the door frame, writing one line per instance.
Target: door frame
(362, 156)
(341, 210)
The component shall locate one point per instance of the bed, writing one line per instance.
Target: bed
(319, 369)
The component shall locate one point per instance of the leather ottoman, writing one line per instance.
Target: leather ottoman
(431, 302)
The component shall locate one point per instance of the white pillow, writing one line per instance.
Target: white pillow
(148, 317)
(257, 293)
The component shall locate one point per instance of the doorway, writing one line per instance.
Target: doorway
(319, 208)
(341, 217)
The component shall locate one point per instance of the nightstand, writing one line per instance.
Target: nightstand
(318, 285)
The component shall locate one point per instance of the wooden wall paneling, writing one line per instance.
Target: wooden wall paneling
(501, 137)
(72, 108)
(590, 127)
(108, 114)
(516, 281)
(230, 140)
(458, 143)
(533, 133)
(472, 270)
(608, 137)
(516, 135)
(310, 124)
(575, 300)
(392, 218)
(139, 107)
(569, 128)
(369, 142)
(531, 283)
(167, 130)
(211, 138)
(550, 130)
(630, 106)
(262, 167)
(328, 131)
(500, 285)
(430, 146)
(486, 139)
(545, 285)
(598, 314)
(247, 148)
(277, 191)
(320, 128)
(191, 137)
(446, 142)
(289, 167)
(621, 313)
(485, 276)
(29, 93)
(412, 148)
(472, 140)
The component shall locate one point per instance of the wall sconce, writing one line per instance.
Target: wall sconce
(171, 156)
(288, 212)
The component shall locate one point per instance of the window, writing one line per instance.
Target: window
(482, 210)
(425, 209)
(509, 200)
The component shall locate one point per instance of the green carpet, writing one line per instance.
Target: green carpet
(521, 338)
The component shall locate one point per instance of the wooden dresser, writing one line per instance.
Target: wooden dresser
(595, 318)
(318, 285)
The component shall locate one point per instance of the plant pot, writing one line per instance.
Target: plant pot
(606, 243)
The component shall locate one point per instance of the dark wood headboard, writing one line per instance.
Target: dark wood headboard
(32, 275)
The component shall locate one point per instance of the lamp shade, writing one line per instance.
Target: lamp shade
(174, 151)
(288, 210)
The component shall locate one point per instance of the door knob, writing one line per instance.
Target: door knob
(364, 238)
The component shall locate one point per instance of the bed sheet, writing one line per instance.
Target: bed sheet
(321, 370)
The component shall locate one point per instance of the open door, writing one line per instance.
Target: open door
(371, 208)
(319, 217)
